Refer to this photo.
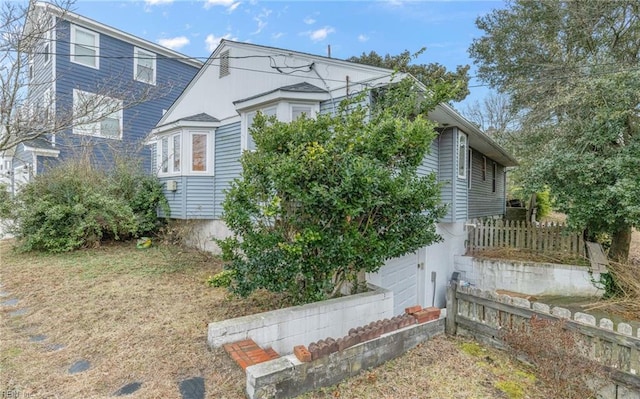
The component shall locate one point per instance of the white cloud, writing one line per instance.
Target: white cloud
(277, 36)
(230, 5)
(309, 21)
(319, 34)
(363, 38)
(157, 2)
(175, 43)
(212, 40)
(261, 19)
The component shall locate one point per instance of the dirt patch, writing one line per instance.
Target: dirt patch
(634, 249)
(531, 256)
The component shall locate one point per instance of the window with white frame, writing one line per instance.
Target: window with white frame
(144, 66)
(297, 110)
(196, 152)
(85, 47)
(462, 155)
(199, 152)
(97, 115)
(247, 140)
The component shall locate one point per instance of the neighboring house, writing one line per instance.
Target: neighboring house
(198, 143)
(88, 75)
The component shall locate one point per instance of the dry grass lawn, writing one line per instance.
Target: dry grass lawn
(141, 315)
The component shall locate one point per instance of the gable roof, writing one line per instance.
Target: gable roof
(113, 32)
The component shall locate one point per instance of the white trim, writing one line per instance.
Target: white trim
(160, 130)
(209, 151)
(42, 151)
(137, 54)
(170, 154)
(280, 95)
(95, 46)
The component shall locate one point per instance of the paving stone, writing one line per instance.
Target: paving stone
(79, 366)
(10, 302)
(37, 338)
(128, 389)
(54, 347)
(192, 388)
(19, 312)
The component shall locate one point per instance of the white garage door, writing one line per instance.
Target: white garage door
(399, 275)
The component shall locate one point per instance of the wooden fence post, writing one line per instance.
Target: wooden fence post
(452, 308)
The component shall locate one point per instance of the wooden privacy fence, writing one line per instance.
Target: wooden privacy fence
(538, 237)
(483, 314)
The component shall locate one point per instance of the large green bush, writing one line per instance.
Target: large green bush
(321, 201)
(75, 205)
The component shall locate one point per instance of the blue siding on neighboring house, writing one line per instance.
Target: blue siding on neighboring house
(227, 162)
(446, 170)
(483, 201)
(115, 78)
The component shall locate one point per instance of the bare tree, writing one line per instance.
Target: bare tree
(496, 116)
(25, 112)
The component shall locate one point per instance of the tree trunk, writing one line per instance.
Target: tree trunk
(620, 243)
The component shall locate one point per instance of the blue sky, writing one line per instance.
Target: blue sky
(194, 28)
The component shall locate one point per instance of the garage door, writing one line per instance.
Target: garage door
(399, 275)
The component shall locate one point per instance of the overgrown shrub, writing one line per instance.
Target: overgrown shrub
(543, 204)
(560, 356)
(75, 205)
(5, 202)
(222, 279)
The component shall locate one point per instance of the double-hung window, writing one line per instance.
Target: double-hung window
(144, 66)
(85, 47)
(170, 154)
(97, 115)
(247, 140)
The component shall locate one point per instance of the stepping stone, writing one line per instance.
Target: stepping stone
(37, 338)
(19, 312)
(193, 388)
(128, 389)
(10, 302)
(79, 367)
(54, 347)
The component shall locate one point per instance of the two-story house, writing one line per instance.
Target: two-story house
(198, 143)
(106, 87)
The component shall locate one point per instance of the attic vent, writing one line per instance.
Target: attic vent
(224, 63)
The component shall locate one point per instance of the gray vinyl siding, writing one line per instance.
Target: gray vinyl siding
(483, 201)
(176, 199)
(446, 170)
(200, 198)
(193, 199)
(430, 160)
(227, 162)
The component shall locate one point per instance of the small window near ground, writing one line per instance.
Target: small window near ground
(144, 66)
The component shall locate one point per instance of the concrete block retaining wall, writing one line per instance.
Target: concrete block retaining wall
(299, 325)
(287, 377)
(526, 277)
